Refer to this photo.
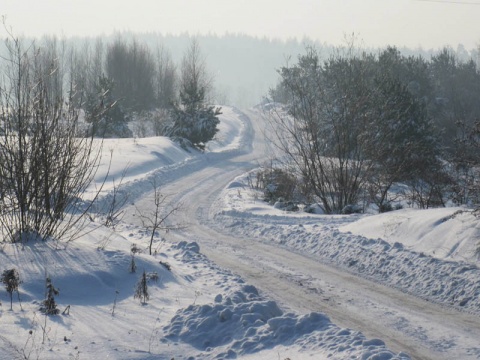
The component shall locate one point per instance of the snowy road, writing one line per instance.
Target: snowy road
(304, 284)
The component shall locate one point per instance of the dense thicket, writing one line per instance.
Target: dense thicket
(45, 161)
(356, 123)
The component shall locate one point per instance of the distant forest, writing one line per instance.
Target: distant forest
(243, 67)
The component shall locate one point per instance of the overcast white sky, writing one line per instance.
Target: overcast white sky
(429, 24)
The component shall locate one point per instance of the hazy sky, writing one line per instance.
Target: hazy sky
(426, 23)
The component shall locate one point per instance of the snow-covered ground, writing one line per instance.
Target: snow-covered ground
(200, 310)
(429, 253)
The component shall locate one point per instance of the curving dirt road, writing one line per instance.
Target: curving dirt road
(301, 283)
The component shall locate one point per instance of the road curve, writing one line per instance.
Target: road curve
(302, 283)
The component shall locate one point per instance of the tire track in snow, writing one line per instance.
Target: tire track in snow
(401, 320)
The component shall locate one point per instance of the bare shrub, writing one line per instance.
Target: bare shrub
(45, 162)
(156, 219)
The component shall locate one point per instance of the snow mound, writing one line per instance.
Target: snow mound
(244, 323)
(186, 246)
(447, 233)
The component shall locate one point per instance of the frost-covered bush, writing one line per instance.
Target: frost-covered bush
(313, 209)
(352, 209)
(285, 205)
(385, 207)
(277, 184)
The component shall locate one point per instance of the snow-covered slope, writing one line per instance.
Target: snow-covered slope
(135, 158)
(446, 233)
(198, 310)
(412, 249)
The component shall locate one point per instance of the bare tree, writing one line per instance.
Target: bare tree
(131, 67)
(86, 68)
(166, 79)
(114, 209)
(319, 130)
(156, 219)
(166, 87)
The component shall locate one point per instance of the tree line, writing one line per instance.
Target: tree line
(357, 123)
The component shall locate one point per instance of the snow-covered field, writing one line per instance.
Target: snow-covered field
(200, 310)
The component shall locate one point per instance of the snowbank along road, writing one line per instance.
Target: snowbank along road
(301, 280)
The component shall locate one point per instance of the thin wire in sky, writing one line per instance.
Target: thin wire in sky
(452, 2)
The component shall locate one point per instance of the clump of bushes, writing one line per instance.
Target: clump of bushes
(277, 184)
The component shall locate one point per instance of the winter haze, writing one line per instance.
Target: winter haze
(429, 24)
(251, 180)
(245, 68)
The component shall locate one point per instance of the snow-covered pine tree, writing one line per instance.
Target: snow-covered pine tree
(11, 280)
(49, 306)
(141, 289)
(193, 122)
(194, 129)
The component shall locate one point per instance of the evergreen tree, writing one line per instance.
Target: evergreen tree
(193, 122)
(106, 113)
(11, 280)
(193, 129)
(49, 306)
(141, 289)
